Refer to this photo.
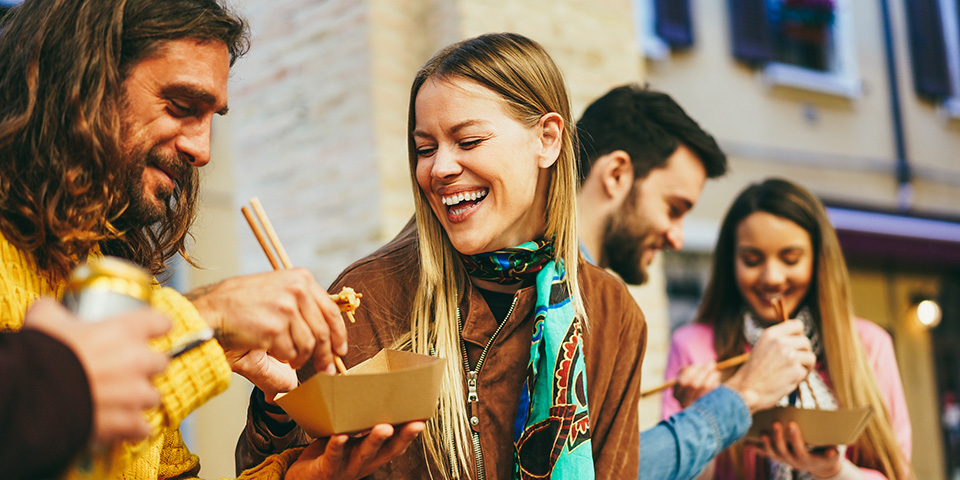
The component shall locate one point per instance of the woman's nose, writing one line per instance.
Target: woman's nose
(773, 274)
(445, 164)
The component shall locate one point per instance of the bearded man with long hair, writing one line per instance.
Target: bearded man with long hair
(105, 115)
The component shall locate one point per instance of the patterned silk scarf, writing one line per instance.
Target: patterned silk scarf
(510, 265)
(552, 429)
(812, 393)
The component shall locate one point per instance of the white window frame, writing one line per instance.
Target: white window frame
(651, 45)
(950, 109)
(844, 79)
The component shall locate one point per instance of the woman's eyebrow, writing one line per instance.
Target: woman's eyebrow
(453, 130)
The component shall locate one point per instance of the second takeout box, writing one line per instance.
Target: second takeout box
(819, 427)
(391, 387)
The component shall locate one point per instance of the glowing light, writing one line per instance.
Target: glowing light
(928, 313)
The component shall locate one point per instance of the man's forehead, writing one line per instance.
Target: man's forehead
(196, 68)
(682, 175)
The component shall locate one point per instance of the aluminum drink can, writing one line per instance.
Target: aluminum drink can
(101, 288)
(107, 286)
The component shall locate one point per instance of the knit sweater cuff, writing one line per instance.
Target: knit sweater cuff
(192, 378)
(274, 467)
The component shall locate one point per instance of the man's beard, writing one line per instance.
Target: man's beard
(142, 210)
(624, 243)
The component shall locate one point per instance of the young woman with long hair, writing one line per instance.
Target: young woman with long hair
(543, 351)
(776, 244)
(499, 279)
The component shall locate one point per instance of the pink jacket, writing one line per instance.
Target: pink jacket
(694, 344)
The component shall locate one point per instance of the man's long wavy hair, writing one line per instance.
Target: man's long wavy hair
(62, 68)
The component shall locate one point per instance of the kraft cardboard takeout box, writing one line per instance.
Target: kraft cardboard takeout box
(820, 428)
(390, 387)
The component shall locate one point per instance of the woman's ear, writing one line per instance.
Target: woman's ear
(550, 127)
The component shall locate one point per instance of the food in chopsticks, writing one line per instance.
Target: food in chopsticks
(348, 300)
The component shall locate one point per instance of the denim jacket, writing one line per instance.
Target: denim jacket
(679, 447)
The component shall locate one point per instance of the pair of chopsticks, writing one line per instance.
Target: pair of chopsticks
(783, 318)
(728, 363)
(260, 215)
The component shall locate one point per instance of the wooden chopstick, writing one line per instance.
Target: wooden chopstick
(728, 363)
(783, 318)
(257, 232)
(274, 241)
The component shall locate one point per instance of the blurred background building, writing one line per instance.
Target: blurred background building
(857, 100)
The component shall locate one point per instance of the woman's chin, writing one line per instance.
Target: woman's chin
(467, 247)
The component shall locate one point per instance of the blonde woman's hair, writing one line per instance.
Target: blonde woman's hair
(531, 85)
(829, 301)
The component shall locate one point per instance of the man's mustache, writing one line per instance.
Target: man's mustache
(178, 165)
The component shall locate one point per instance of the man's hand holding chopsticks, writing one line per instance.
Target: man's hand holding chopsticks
(779, 361)
(272, 323)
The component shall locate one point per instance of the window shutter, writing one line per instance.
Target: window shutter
(928, 52)
(750, 31)
(673, 22)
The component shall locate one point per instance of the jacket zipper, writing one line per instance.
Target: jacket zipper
(473, 400)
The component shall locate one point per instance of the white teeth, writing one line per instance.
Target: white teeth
(461, 197)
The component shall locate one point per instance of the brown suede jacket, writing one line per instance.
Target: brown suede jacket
(613, 345)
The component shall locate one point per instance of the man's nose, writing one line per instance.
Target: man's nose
(194, 143)
(674, 236)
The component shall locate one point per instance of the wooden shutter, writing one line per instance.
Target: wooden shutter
(928, 51)
(673, 22)
(750, 31)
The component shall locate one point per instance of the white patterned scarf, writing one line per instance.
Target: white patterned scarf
(812, 393)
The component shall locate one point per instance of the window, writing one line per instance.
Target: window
(802, 33)
(806, 44)
(951, 32)
(934, 27)
(663, 25)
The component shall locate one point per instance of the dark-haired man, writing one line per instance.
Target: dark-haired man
(643, 164)
(105, 115)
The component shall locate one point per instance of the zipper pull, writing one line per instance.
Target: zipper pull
(473, 401)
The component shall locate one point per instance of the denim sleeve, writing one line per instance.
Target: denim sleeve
(679, 447)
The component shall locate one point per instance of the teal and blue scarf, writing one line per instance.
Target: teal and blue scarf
(552, 429)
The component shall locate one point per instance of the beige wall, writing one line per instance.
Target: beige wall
(846, 153)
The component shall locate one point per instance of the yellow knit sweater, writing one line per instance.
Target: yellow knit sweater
(189, 381)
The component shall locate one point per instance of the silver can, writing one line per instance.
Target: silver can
(104, 287)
